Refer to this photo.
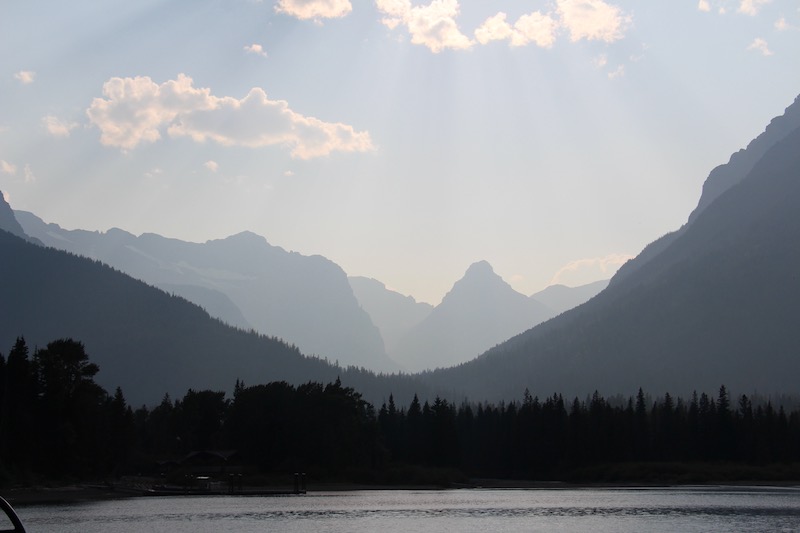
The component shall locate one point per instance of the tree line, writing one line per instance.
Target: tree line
(56, 423)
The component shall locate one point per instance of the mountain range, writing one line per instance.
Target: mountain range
(480, 311)
(245, 282)
(716, 302)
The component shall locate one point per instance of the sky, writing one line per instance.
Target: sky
(402, 139)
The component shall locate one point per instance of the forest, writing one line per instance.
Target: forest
(58, 425)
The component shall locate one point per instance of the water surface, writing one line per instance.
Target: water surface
(706, 509)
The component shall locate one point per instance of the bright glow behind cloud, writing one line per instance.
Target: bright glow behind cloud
(136, 110)
(433, 25)
(314, 9)
(535, 27)
(587, 270)
(592, 20)
(751, 7)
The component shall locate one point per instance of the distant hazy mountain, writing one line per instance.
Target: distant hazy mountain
(480, 311)
(145, 340)
(393, 313)
(560, 298)
(718, 304)
(245, 282)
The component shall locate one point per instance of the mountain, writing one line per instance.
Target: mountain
(560, 298)
(8, 222)
(143, 339)
(479, 311)
(721, 179)
(393, 313)
(717, 304)
(244, 281)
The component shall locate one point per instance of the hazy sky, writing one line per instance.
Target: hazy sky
(402, 139)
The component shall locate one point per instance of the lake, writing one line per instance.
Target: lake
(685, 509)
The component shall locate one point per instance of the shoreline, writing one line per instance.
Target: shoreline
(77, 493)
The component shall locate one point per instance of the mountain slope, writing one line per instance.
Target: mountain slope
(721, 179)
(147, 341)
(9, 223)
(393, 313)
(245, 282)
(718, 305)
(560, 298)
(479, 311)
(143, 339)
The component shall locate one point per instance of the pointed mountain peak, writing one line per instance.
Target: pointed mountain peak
(480, 268)
(479, 281)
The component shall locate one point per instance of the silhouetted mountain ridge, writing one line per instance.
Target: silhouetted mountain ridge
(244, 281)
(717, 305)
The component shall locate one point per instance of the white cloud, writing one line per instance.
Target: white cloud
(213, 166)
(136, 110)
(314, 9)
(592, 20)
(617, 72)
(25, 76)
(760, 45)
(583, 271)
(704, 6)
(433, 25)
(256, 49)
(152, 173)
(57, 127)
(751, 7)
(7, 168)
(534, 27)
(601, 61)
(30, 177)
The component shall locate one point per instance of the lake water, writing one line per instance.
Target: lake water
(705, 509)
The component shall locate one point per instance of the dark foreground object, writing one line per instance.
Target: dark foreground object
(12, 516)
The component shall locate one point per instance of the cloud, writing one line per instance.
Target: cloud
(136, 110)
(7, 168)
(256, 49)
(617, 72)
(314, 9)
(760, 45)
(535, 27)
(582, 271)
(57, 127)
(25, 76)
(601, 61)
(7, 197)
(213, 166)
(592, 20)
(431, 25)
(751, 7)
(30, 177)
(704, 6)
(152, 173)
